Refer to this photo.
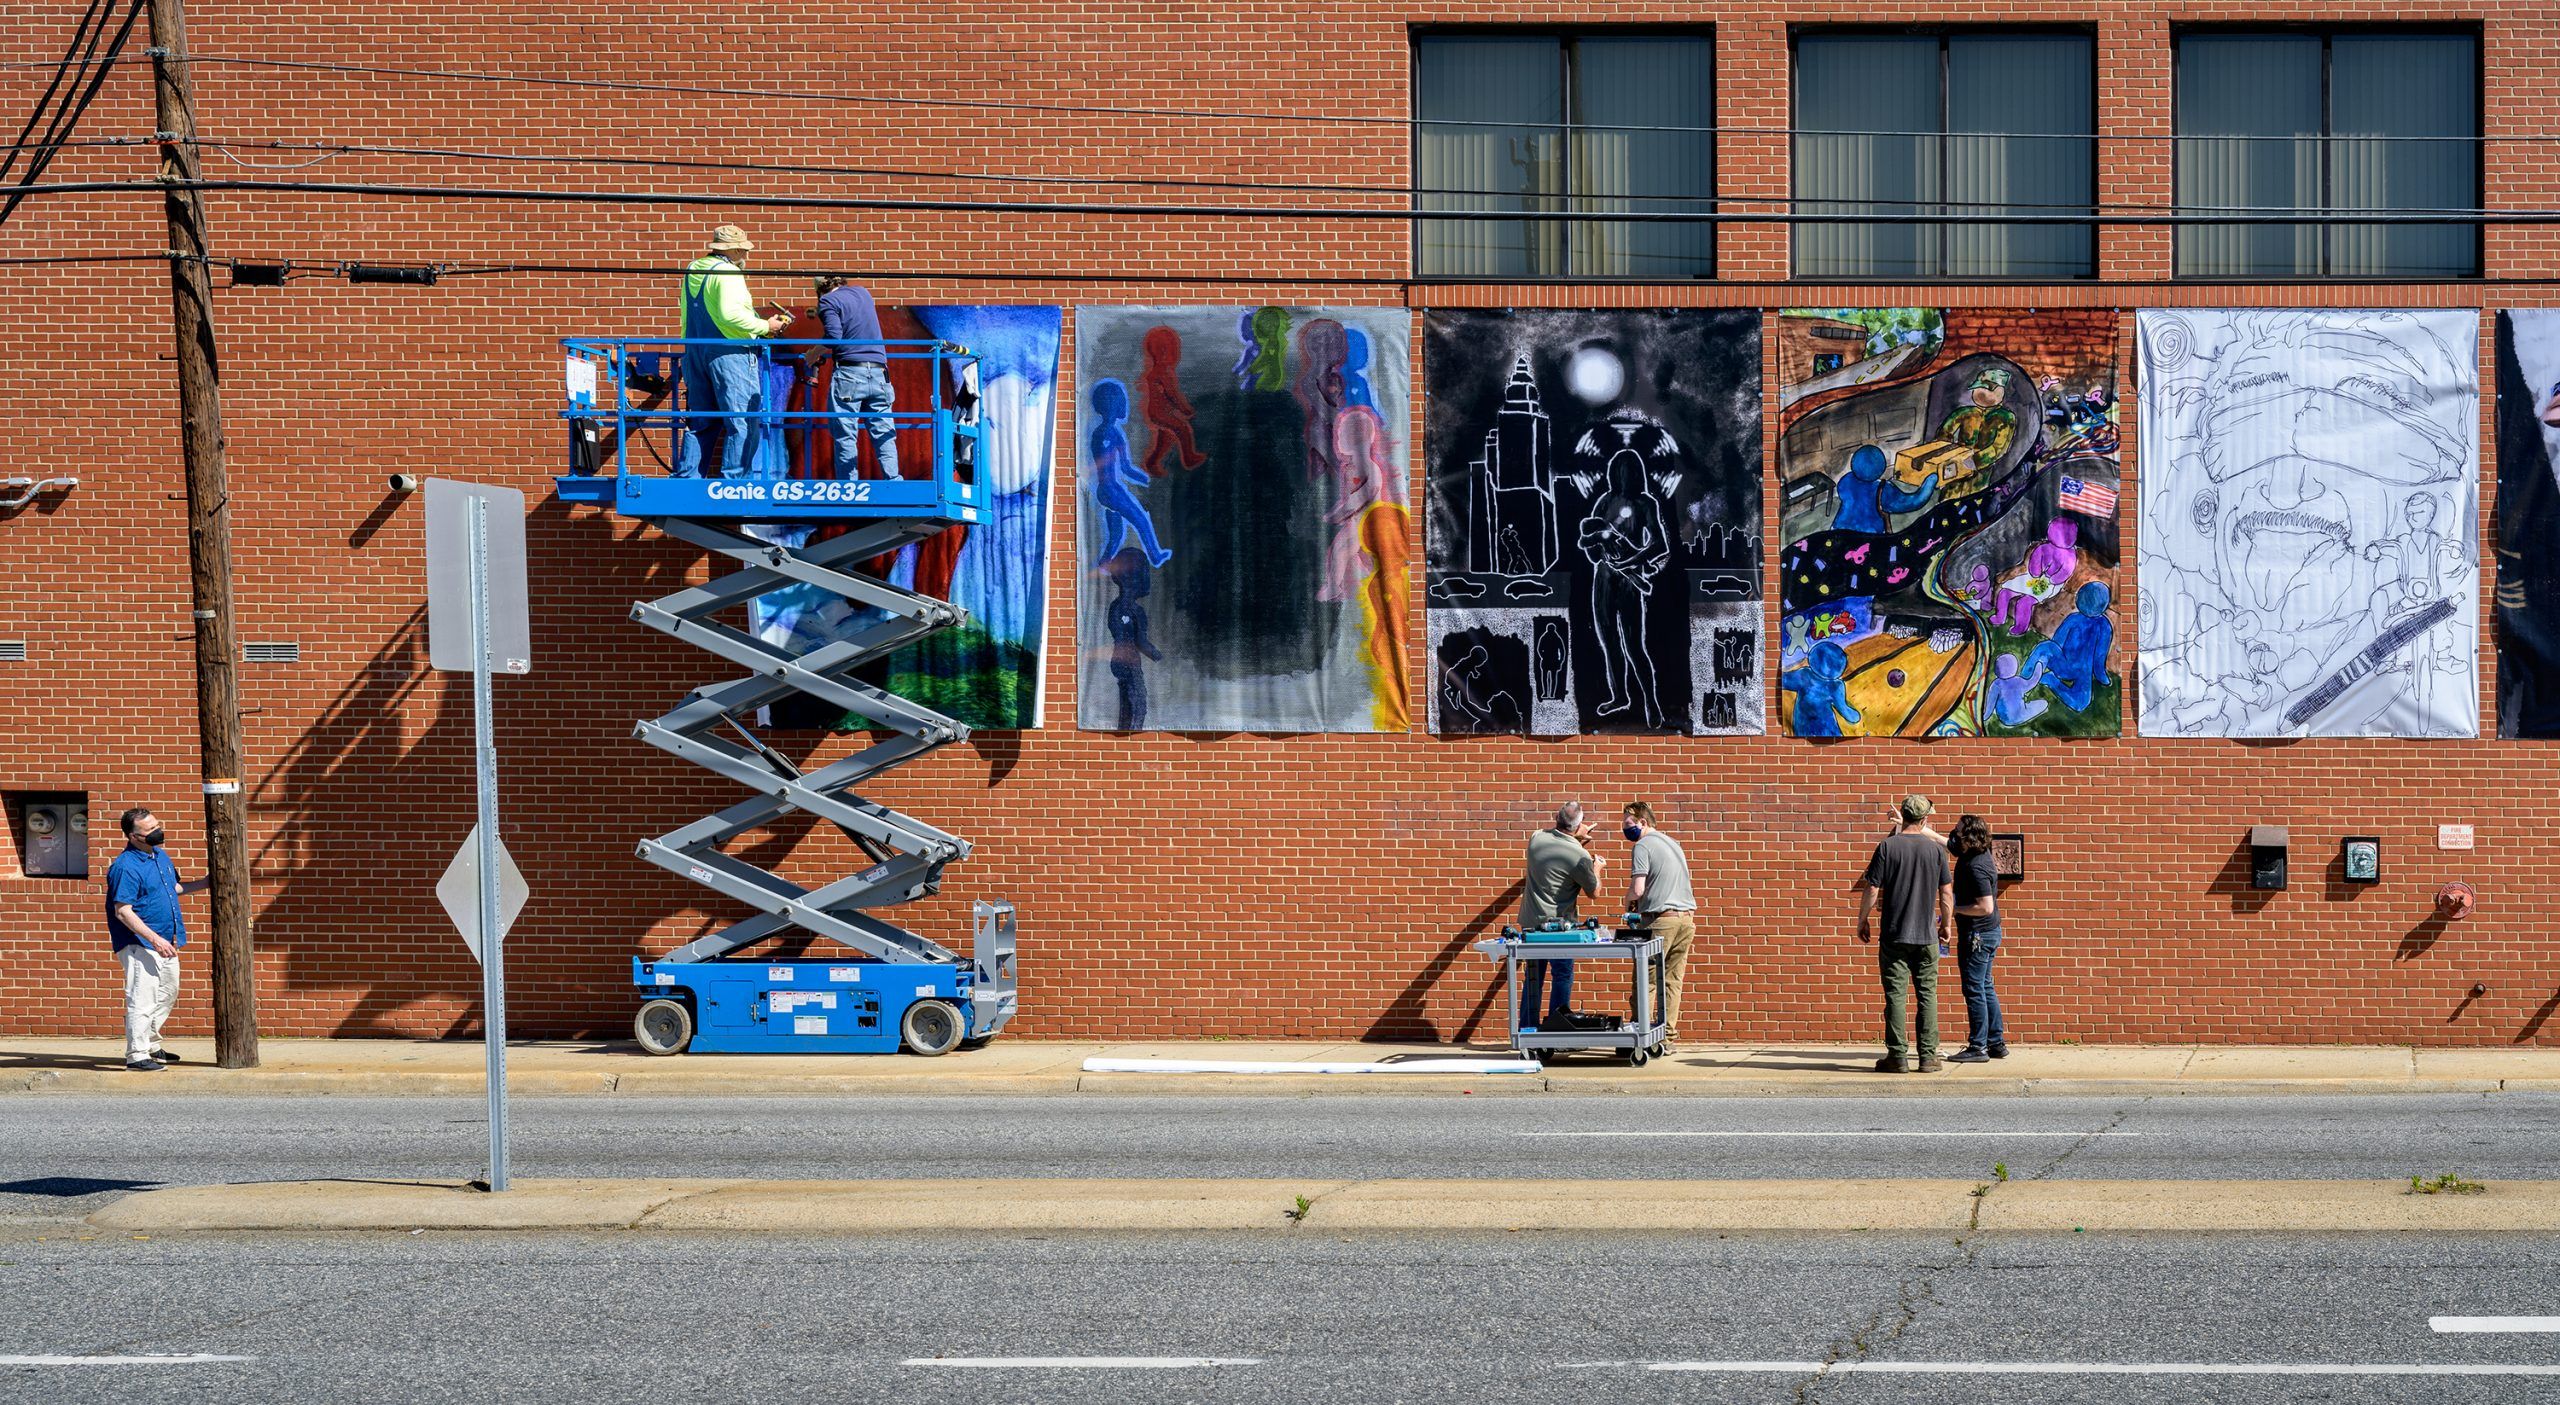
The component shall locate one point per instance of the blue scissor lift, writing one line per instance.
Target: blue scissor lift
(898, 989)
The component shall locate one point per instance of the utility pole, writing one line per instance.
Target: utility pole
(226, 807)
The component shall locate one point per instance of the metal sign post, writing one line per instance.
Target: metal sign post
(492, 561)
(493, 961)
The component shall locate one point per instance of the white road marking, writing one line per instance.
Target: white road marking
(196, 1359)
(1828, 1134)
(1081, 1363)
(2104, 1368)
(2494, 1324)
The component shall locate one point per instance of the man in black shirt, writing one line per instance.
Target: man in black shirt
(1910, 870)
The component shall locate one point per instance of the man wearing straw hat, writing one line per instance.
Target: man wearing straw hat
(725, 374)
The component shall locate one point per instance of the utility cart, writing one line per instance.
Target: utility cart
(1637, 1036)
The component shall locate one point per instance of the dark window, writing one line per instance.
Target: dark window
(1562, 125)
(2346, 123)
(1920, 130)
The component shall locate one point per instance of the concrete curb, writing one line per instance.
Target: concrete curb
(1374, 1206)
(745, 1083)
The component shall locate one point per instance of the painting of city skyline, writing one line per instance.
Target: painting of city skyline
(1594, 521)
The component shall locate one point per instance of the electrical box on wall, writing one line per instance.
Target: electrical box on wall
(53, 840)
(2267, 846)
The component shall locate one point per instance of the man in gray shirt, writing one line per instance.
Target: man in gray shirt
(1561, 869)
(1658, 895)
(1909, 868)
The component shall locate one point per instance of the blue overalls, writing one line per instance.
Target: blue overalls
(728, 376)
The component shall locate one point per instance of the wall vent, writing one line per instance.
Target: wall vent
(13, 651)
(286, 651)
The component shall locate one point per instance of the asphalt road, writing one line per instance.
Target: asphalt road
(63, 1155)
(1531, 1318)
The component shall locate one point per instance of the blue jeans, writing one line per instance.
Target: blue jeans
(1974, 950)
(733, 383)
(859, 396)
(1533, 980)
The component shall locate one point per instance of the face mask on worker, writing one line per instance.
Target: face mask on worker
(1633, 831)
(154, 838)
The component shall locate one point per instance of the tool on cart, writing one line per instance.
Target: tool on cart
(1638, 1035)
(899, 989)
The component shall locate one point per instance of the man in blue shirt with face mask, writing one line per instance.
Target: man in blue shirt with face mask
(147, 928)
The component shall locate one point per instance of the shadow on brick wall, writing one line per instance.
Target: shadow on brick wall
(358, 818)
(1408, 1015)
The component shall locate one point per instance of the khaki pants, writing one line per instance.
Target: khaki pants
(150, 991)
(1676, 929)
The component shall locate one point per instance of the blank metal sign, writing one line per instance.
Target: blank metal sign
(449, 578)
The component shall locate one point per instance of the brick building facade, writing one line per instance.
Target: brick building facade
(1170, 885)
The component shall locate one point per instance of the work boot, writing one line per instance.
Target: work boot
(1890, 1064)
(1931, 1063)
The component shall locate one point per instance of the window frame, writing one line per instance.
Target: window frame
(1565, 37)
(2472, 30)
(1798, 33)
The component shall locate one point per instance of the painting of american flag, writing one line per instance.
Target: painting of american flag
(2079, 495)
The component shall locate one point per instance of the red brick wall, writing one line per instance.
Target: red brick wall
(1169, 885)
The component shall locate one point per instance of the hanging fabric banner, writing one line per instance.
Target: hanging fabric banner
(2310, 504)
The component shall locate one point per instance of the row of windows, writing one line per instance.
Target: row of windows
(1904, 146)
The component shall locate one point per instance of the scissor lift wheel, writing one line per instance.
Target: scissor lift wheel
(931, 1027)
(663, 1027)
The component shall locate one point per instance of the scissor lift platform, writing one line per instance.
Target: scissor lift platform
(898, 989)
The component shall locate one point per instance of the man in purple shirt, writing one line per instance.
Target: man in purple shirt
(859, 392)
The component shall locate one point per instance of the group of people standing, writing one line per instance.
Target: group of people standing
(1562, 870)
(1929, 887)
(725, 394)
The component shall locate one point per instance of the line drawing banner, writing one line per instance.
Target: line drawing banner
(2310, 496)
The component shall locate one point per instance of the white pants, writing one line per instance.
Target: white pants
(150, 991)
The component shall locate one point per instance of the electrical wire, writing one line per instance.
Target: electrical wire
(67, 117)
(2092, 218)
(310, 268)
(1248, 115)
(331, 149)
(27, 260)
(44, 100)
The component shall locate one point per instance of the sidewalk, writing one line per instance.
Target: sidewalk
(401, 1068)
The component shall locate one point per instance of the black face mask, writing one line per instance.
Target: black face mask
(154, 839)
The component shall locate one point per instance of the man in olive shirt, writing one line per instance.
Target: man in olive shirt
(1910, 869)
(1658, 894)
(1561, 869)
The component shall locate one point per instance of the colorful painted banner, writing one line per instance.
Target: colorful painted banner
(1245, 531)
(1594, 544)
(1949, 482)
(986, 673)
(2310, 503)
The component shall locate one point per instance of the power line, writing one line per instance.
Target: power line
(1249, 115)
(2253, 216)
(59, 118)
(313, 267)
(36, 259)
(330, 149)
